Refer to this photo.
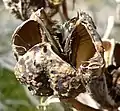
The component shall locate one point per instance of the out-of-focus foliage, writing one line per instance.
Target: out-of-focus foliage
(12, 95)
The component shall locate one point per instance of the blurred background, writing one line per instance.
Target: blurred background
(13, 96)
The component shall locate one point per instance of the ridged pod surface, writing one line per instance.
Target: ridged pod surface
(45, 73)
(63, 59)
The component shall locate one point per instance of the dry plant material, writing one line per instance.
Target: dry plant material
(79, 106)
(80, 34)
(116, 54)
(61, 59)
(43, 71)
(113, 72)
(32, 32)
(108, 45)
(22, 9)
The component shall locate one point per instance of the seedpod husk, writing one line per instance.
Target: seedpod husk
(65, 66)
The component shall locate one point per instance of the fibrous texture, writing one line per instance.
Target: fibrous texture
(58, 59)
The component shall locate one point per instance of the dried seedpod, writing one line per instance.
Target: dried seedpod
(113, 71)
(82, 42)
(25, 37)
(64, 65)
(24, 42)
(85, 52)
(24, 8)
(115, 87)
(35, 30)
(45, 73)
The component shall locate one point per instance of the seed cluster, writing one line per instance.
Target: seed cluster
(54, 65)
